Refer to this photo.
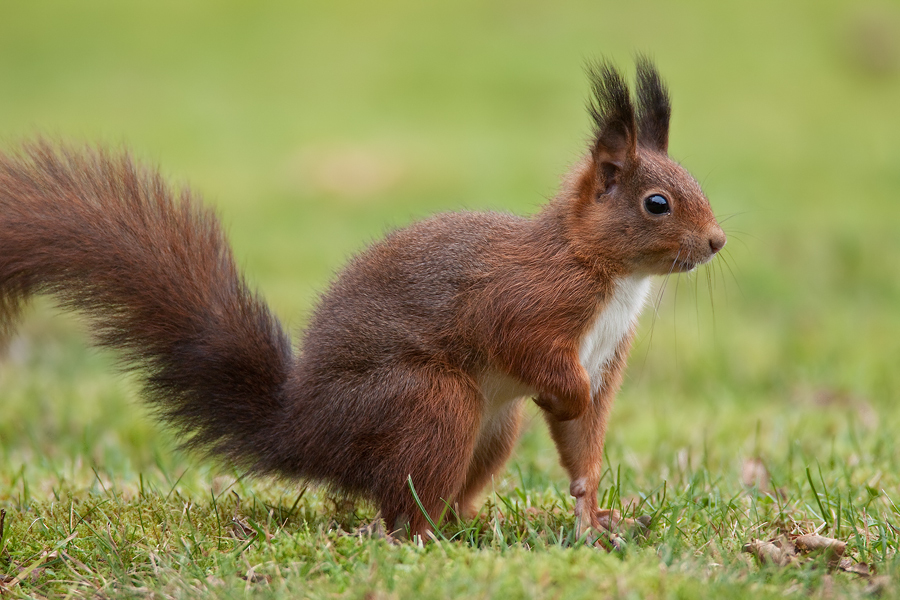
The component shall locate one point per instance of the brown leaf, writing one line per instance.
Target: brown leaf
(862, 569)
(778, 552)
(831, 548)
(783, 551)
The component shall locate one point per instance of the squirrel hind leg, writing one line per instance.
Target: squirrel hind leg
(436, 441)
(495, 443)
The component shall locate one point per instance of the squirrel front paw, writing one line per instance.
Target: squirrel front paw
(603, 527)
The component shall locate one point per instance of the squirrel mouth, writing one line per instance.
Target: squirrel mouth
(684, 265)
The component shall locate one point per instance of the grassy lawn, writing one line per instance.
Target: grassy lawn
(761, 396)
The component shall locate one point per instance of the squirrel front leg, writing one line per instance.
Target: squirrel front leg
(580, 444)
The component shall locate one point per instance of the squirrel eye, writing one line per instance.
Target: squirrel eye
(657, 205)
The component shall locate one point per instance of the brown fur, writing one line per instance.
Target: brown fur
(388, 381)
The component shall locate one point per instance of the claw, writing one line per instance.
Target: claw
(609, 530)
(614, 522)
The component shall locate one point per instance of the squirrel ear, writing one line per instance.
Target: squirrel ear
(615, 141)
(654, 107)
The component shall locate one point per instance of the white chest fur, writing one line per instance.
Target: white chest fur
(610, 325)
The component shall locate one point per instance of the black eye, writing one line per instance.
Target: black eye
(657, 205)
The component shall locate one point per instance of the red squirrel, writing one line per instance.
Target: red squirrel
(418, 360)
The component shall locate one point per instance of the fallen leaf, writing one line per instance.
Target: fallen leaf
(778, 552)
(862, 569)
(783, 551)
(832, 549)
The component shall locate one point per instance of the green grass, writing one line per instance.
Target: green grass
(785, 349)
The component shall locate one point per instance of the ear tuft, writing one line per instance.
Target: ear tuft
(611, 109)
(654, 106)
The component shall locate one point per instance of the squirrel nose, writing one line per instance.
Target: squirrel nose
(717, 241)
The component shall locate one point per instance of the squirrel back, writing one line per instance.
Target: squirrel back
(408, 383)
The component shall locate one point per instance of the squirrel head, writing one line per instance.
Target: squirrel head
(628, 204)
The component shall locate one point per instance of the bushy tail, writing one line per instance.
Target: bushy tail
(156, 279)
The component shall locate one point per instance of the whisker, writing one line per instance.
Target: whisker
(728, 217)
(736, 236)
(675, 319)
(697, 303)
(724, 259)
(732, 232)
(656, 305)
(666, 280)
(718, 265)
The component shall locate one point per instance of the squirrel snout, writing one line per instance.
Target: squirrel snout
(717, 240)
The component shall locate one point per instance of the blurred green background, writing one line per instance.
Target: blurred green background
(316, 126)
